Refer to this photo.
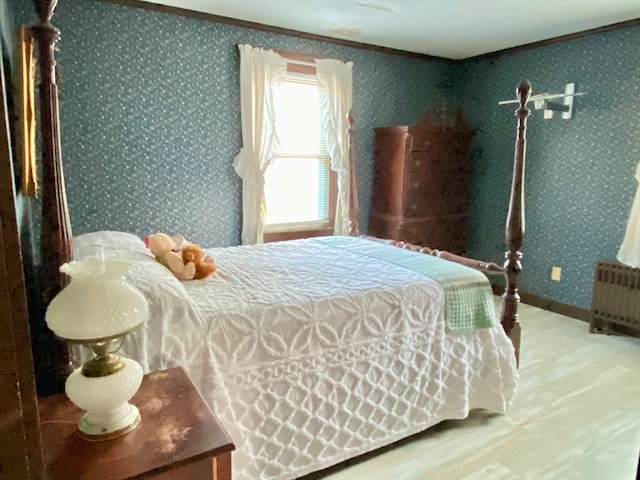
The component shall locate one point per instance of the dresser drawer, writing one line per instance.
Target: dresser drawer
(417, 163)
(437, 183)
(443, 232)
(437, 161)
(423, 143)
(420, 204)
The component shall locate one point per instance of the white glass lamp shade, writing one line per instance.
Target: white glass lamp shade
(98, 303)
(99, 308)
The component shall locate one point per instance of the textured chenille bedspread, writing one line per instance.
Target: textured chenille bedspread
(468, 301)
(314, 351)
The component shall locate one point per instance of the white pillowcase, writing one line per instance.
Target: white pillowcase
(112, 243)
(145, 272)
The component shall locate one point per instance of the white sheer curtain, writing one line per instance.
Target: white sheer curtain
(259, 70)
(629, 253)
(334, 84)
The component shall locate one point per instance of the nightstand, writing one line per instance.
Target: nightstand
(178, 437)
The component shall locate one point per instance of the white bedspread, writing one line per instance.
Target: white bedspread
(310, 354)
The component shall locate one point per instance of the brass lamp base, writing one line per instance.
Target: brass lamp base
(99, 433)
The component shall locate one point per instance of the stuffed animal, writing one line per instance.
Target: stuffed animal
(162, 245)
(193, 253)
(179, 241)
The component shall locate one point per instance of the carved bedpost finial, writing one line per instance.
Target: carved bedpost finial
(515, 224)
(524, 91)
(46, 36)
(353, 207)
(45, 9)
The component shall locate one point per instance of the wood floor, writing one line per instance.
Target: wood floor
(576, 416)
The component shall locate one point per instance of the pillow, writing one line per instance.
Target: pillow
(111, 243)
(151, 277)
(169, 302)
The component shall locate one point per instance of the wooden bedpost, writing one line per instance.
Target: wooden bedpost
(56, 227)
(515, 225)
(353, 208)
(56, 243)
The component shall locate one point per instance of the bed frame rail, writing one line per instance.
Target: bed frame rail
(514, 228)
(488, 268)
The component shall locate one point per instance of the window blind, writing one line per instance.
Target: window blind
(297, 184)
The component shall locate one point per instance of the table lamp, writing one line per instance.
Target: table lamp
(98, 309)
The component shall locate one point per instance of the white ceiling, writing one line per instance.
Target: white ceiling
(453, 29)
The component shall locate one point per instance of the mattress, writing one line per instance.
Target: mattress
(311, 354)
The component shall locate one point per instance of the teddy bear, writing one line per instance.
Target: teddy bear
(163, 248)
(205, 264)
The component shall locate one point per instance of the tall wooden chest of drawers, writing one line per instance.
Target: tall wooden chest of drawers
(421, 182)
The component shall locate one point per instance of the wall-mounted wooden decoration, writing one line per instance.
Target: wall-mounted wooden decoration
(26, 112)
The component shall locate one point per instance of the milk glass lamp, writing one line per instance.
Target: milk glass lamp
(99, 308)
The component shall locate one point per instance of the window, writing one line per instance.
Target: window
(306, 197)
(300, 187)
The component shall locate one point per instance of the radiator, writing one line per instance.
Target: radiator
(615, 305)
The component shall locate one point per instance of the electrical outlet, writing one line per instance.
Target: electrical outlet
(556, 272)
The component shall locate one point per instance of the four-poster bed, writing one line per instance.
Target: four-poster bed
(397, 367)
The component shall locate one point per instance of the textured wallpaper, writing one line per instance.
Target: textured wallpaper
(579, 183)
(150, 113)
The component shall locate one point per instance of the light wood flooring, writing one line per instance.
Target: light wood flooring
(576, 416)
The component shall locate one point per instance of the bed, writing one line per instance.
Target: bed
(312, 351)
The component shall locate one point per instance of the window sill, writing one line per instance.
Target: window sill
(297, 234)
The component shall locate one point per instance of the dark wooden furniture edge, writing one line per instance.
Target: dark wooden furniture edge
(56, 226)
(56, 239)
(353, 208)
(20, 448)
(515, 224)
(489, 268)
(189, 435)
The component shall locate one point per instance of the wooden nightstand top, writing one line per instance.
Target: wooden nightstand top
(177, 429)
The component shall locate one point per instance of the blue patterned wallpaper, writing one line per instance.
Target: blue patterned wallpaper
(579, 182)
(150, 113)
(151, 124)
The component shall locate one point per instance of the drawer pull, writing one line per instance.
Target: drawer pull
(416, 184)
(417, 163)
(414, 207)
